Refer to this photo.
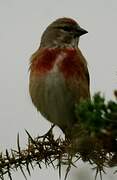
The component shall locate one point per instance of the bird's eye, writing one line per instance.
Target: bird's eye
(67, 28)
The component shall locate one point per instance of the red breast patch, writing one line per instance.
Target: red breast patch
(67, 60)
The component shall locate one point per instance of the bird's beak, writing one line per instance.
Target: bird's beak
(81, 31)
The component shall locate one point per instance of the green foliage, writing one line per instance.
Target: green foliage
(98, 116)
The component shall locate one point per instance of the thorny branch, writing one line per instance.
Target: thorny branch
(94, 141)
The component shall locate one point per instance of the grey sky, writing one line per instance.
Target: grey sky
(21, 25)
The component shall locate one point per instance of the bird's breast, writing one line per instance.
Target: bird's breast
(56, 83)
(67, 61)
(48, 87)
(52, 97)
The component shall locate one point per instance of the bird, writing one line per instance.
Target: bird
(59, 77)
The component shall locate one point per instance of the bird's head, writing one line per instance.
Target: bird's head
(64, 32)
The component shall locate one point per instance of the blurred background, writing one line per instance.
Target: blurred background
(21, 26)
